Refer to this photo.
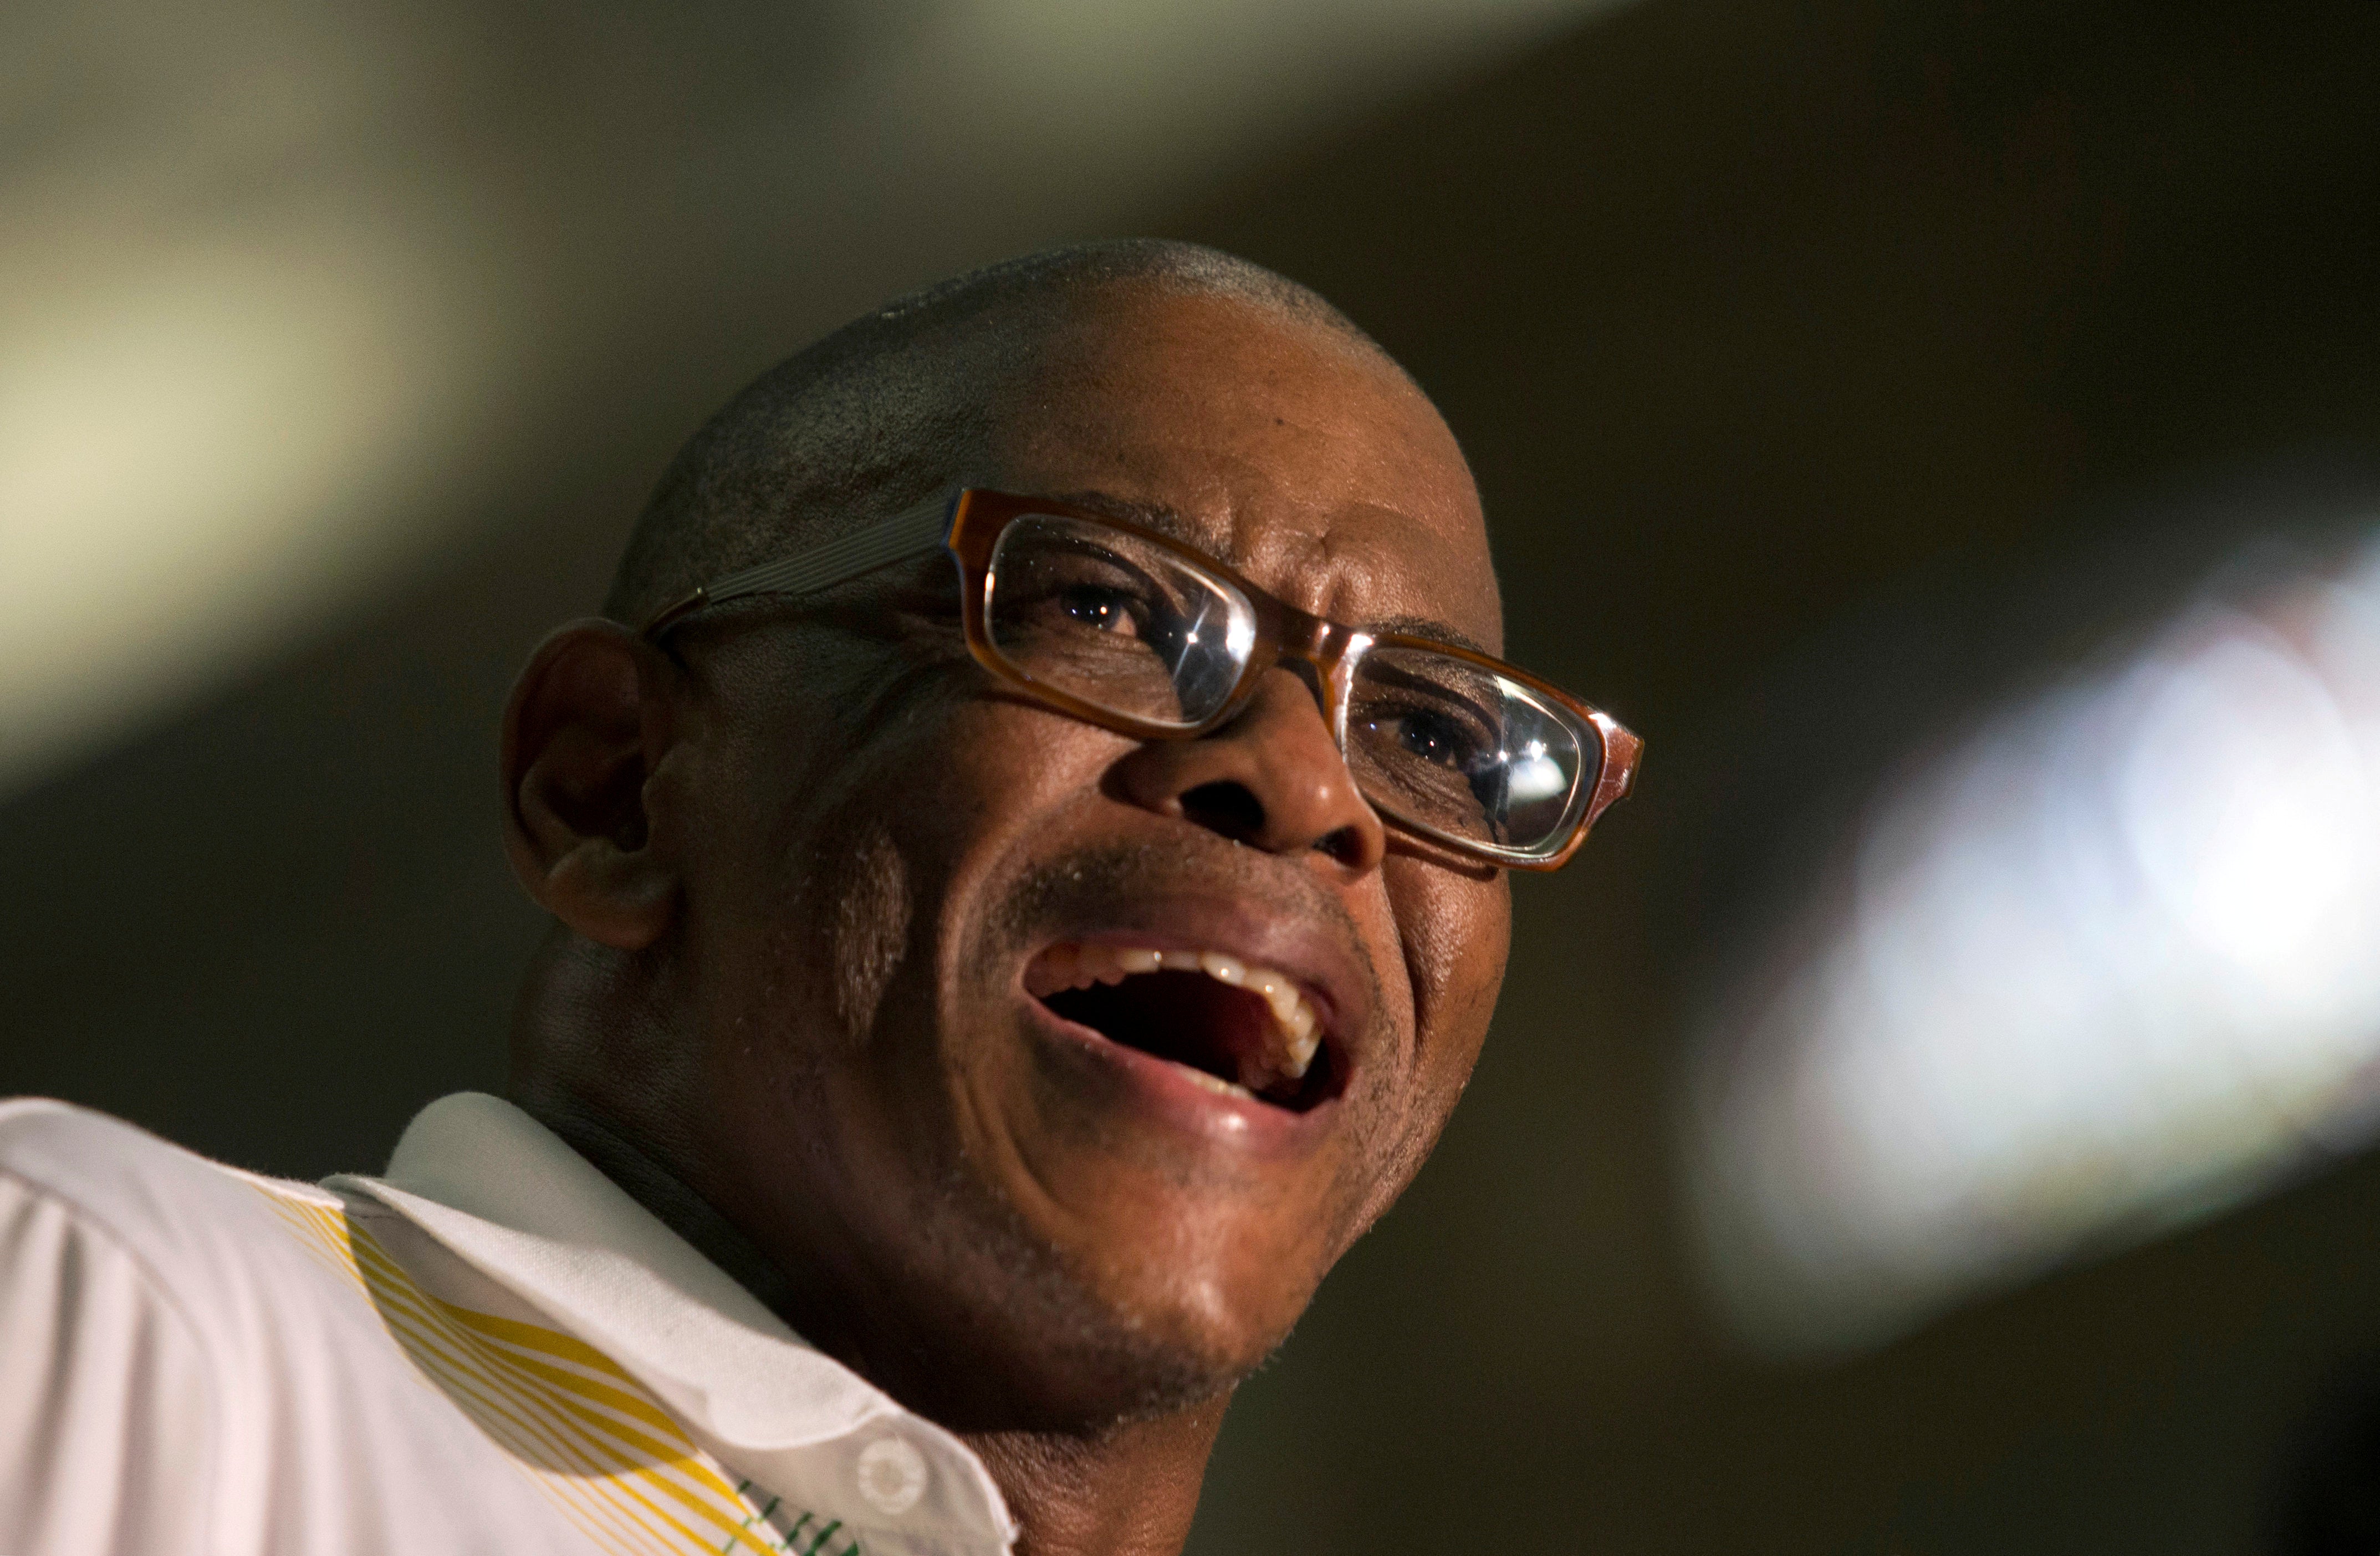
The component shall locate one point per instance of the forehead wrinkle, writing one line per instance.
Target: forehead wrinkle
(1167, 521)
(1369, 571)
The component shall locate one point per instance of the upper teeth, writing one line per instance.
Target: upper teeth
(1297, 1032)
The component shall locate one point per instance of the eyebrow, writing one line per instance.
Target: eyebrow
(1173, 527)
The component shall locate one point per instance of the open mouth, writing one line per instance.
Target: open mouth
(1238, 1030)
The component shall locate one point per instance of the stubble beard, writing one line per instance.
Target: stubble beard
(1078, 1362)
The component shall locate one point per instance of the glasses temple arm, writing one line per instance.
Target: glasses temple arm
(906, 534)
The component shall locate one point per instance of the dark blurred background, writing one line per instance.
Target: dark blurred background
(1862, 390)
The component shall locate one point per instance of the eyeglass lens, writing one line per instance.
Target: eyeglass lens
(1138, 630)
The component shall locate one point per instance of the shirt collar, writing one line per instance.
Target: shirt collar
(511, 1198)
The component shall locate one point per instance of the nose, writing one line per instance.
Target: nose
(1272, 778)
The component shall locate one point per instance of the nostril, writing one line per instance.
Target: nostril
(1344, 846)
(1227, 808)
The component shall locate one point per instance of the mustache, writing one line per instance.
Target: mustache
(1115, 880)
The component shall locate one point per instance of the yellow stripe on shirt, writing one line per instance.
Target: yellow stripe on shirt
(592, 1440)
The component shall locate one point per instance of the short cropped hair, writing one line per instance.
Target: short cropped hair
(877, 414)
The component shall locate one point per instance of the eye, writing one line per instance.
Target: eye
(1101, 610)
(1435, 738)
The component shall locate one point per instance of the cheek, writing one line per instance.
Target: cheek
(985, 770)
(1455, 932)
(1452, 933)
(990, 784)
(828, 847)
(828, 934)
(933, 818)
(867, 902)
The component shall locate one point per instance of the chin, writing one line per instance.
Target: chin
(1173, 1274)
(1119, 1326)
(1140, 1360)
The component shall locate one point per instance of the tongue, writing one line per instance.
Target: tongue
(1184, 1016)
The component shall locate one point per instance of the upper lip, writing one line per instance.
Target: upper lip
(1327, 972)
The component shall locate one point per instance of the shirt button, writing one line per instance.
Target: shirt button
(892, 1476)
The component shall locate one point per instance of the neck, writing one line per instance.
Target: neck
(1125, 1489)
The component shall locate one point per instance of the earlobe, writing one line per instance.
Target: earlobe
(587, 726)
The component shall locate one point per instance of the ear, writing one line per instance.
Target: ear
(587, 724)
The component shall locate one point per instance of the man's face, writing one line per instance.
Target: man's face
(886, 856)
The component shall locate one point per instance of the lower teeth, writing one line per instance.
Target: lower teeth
(1218, 1085)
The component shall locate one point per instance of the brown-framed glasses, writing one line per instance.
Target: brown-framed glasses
(1138, 633)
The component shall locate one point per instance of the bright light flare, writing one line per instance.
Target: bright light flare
(1536, 775)
(2113, 961)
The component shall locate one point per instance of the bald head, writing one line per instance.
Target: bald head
(881, 412)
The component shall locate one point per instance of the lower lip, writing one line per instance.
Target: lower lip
(1164, 1091)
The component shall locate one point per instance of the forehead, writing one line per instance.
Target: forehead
(1293, 453)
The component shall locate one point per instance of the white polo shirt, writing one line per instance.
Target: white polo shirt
(494, 1349)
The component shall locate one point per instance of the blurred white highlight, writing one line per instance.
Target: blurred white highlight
(2114, 961)
(189, 452)
(1536, 775)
